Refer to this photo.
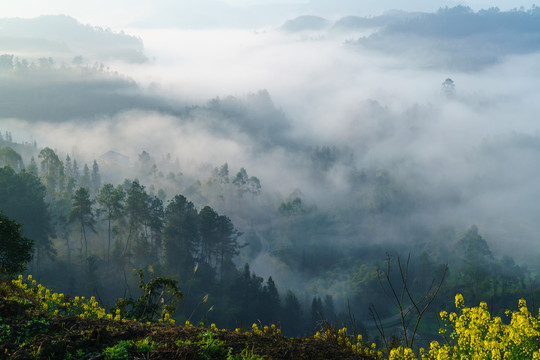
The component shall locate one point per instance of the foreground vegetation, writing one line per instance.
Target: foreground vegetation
(473, 333)
(36, 323)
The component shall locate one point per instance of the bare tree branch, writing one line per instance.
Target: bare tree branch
(405, 296)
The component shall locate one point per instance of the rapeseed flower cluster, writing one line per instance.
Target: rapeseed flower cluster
(474, 334)
(58, 304)
(271, 330)
(255, 329)
(166, 317)
(355, 344)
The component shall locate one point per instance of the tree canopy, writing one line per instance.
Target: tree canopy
(22, 198)
(15, 249)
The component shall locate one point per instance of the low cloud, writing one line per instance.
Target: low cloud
(312, 109)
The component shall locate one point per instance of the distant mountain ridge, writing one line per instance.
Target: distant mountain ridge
(65, 35)
(453, 38)
(457, 21)
(305, 22)
(460, 38)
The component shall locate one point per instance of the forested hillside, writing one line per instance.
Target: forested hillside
(355, 171)
(89, 235)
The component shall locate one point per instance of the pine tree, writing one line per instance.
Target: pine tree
(292, 317)
(95, 178)
(154, 223)
(76, 173)
(226, 244)
(241, 182)
(83, 214)
(136, 210)
(208, 229)
(181, 235)
(271, 302)
(70, 175)
(85, 178)
(317, 311)
(111, 202)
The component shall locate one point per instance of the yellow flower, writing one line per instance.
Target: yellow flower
(459, 301)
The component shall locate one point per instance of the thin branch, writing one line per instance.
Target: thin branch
(352, 319)
(398, 301)
(428, 304)
(378, 323)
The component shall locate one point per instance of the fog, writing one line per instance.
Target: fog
(267, 99)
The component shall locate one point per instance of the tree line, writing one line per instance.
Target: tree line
(88, 236)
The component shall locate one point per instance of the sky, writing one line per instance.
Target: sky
(228, 13)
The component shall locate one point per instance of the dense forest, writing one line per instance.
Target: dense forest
(89, 236)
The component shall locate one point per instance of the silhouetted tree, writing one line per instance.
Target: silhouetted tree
(226, 244)
(85, 178)
(448, 88)
(245, 184)
(270, 309)
(111, 205)
(181, 235)
(95, 177)
(136, 211)
(15, 249)
(476, 260)
(70, 175)
(22, 198)
(154, 222)
(292, 317)
(208, 230)
(76, 173)
(83, 214)
(241, 182)
(317, 312)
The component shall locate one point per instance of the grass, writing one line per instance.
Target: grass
(28, 331)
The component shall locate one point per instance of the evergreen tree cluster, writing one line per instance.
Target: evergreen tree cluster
(101, 230)
(88, 236)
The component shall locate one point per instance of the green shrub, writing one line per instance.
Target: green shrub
(118, 351)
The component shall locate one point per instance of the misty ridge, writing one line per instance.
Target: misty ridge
(457, 38)
(357, 147)
(64, 36)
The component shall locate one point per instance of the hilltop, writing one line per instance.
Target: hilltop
(28, 331)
